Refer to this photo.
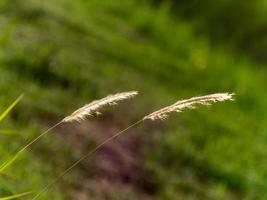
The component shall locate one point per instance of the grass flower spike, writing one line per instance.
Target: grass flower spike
(179, 106)
(79, 115)
(160, 114)
(93, 107)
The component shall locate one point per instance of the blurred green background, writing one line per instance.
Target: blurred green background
(62, 54)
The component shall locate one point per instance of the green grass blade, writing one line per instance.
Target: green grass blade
(15, 196)
(9, 162)
(7, 132)
(14, 157)
(5, 113)
(4, 185)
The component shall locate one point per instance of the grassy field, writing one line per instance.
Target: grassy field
(63, 54)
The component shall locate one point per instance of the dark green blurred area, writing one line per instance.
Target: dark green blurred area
(62, 54)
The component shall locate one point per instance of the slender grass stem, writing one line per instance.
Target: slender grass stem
(13, 158)
(84, 157)
(16, 196)
(77, 115)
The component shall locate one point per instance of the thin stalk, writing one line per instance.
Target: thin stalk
(84, 157)
(77, 115)
(15, 196)
(13, 158)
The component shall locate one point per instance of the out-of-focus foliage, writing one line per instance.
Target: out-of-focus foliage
(61, 53)
(238, 24)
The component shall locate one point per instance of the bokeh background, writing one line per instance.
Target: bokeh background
(62, 54)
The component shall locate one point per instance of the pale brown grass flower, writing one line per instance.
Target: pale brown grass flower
(179, 106)
(160, 114)
(93, 107)
(78, 115)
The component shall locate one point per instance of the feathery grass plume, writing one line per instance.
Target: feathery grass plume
(93, 107)
(179, 106)
(160, 114)
(78, 115)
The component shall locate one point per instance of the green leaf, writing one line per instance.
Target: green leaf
(5, 113)
(15, 196)
(9, 162)
(4, 185)
(7, 132)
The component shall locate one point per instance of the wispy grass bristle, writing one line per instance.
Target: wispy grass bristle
(93, 107)
(179, 106)
(79, 115)
(160, 114)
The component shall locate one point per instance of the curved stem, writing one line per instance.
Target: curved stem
(84, 157)
(13, 158)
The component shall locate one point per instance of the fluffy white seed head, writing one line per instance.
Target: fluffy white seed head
(179, 106)
(93, 107)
